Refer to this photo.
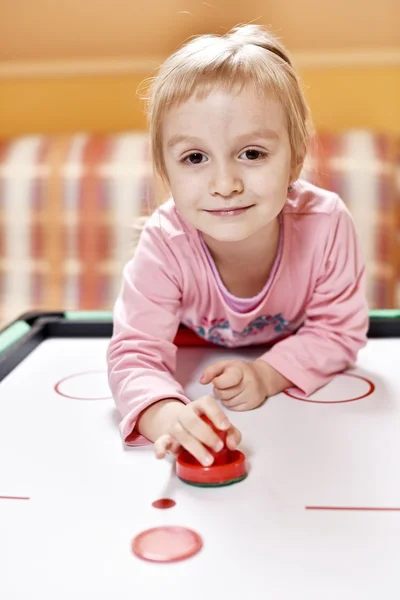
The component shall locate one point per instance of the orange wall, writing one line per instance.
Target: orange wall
(75, 29)
(354, 97)
(339, 98)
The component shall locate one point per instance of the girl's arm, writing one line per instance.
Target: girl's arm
(141, 356)
(336, 323)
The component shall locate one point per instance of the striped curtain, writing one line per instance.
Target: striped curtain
(71, 209)
(67, 208)
(363, 168)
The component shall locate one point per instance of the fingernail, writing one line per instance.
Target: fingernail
(207, 460)
(219, 445)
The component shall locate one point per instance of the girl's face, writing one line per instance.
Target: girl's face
(228, 162)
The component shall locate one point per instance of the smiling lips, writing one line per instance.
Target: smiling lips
(229, 212)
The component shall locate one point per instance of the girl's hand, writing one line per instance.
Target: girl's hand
(243, 385)
(188, 430)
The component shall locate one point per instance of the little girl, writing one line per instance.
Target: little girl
(242, 253)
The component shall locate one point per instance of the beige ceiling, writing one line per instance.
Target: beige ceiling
(54, 29)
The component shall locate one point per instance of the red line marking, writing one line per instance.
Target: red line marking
(14, 498)
(361, 508)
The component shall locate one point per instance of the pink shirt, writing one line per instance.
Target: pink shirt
(312, 314)
(245, 304)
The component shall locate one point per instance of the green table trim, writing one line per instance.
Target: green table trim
(19, 329)
(107, 315)
(385, 313)
(88, 315)
(12, 334)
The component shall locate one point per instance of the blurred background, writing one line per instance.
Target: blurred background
(75, 172)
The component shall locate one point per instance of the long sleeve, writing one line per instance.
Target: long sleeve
(336, 323)
(141, 355)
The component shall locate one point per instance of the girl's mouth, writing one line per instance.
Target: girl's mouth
(229, 212)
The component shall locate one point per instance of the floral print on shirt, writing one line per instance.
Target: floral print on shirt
(219, 331)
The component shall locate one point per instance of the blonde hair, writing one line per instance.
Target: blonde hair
(246, 55)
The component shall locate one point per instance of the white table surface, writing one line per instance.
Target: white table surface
(90, 495)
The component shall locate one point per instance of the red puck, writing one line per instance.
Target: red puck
(167, 544)
(229, 466)
(190, 470)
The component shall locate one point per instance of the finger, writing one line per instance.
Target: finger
(233, 438)
(208, 406)
(162, 445)
(213, 370)
(228, 393)
(236, 400)
(174, 448)
(240, 397)
(230, 377)
(239, 407)
(192, 445)
(194, 424)
(233, 435)
(243, 402)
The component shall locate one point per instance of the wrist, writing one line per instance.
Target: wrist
(273, 381)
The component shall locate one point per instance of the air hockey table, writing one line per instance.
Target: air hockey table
(318, 516)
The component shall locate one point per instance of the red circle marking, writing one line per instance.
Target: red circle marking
(166, 544)
(370, 390)
(14, 498)
(60, 393)
(163, 503)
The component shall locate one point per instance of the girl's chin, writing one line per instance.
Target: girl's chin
(227, 236)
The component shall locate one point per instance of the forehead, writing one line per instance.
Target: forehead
(222, 110)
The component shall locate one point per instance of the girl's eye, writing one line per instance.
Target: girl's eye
(195, 158)
(253, 154)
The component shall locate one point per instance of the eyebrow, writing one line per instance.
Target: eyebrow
(260, 134)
